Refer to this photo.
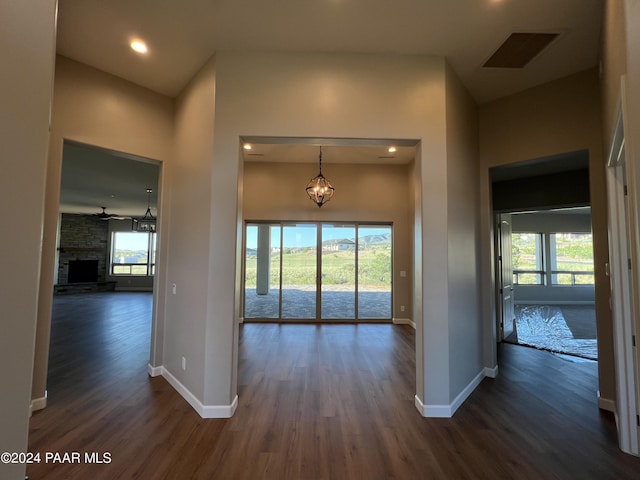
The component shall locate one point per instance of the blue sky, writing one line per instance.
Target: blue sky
(304, 235)
(133, 241)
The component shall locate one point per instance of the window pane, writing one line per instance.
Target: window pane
(338, 271)
(131, 247)
(527, 279)
(299, 271)
(262, 271)
(572, 258)
(139, 270)
(153, 247)
(374, 272)
(527, 258)
(130, 253)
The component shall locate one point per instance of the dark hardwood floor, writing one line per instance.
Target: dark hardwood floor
(315, 402)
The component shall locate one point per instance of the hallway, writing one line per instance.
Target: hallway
(315, 402)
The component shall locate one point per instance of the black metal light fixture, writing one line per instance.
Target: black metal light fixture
(319, 188)
(147, 223)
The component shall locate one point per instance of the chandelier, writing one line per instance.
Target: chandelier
(319, 188)
(147, 223)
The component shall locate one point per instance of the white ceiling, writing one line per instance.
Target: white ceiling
(306, 150)
(182, 36)
(93, 178)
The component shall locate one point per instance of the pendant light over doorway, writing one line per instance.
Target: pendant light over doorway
(320, 191)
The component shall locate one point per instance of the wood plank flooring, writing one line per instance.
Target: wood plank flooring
(315, 402)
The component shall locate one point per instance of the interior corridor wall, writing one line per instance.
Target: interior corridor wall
(98, 109)
(558, 117)
(465, 320)
(190, 226)
(27, 46)
(340, 96)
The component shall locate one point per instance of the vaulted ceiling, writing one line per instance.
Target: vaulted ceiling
(183, 35)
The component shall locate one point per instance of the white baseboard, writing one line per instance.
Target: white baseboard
(205, 411)
(555, 302)
(433, 411)
(154, 371)
(38, 403)
(447, 411)
(404, 321)
(491, 372)
(606, 404)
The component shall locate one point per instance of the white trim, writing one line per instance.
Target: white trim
(205, 411)
(154, 371)
(491, 372)
(432, 411)
(404, 321)
(622, 286)
(557, 302)
(38, 403)
(220, 411)
(447, 411)
(606, 404)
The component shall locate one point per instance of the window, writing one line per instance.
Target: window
(571, 258)
(527, 256)
(133, 253)
(564, 259)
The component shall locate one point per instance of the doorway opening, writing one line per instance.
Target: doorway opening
(548, 275)
(102, 259)
(316, 271)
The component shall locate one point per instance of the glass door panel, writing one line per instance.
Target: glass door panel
(262, 271)
(283, 263)
(374, 272)
(299, 271)
(338, 279)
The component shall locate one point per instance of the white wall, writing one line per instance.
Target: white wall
(94, 108)
(189, 225)
(555, 118)
(27, 46)
(343, 96)
(313, 96)
(463, 238)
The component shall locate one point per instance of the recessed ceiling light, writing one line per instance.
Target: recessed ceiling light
(246, 146)
(392, 149)
(139, 46)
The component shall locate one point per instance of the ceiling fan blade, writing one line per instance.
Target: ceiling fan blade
(103, 215)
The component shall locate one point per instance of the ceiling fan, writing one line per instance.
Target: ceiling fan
(109, 216)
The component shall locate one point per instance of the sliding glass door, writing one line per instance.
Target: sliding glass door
(374, 272)
(299, 271)
(262, 271)
(318, 271)
(338, 279)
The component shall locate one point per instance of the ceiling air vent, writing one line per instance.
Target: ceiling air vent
(519, 49)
